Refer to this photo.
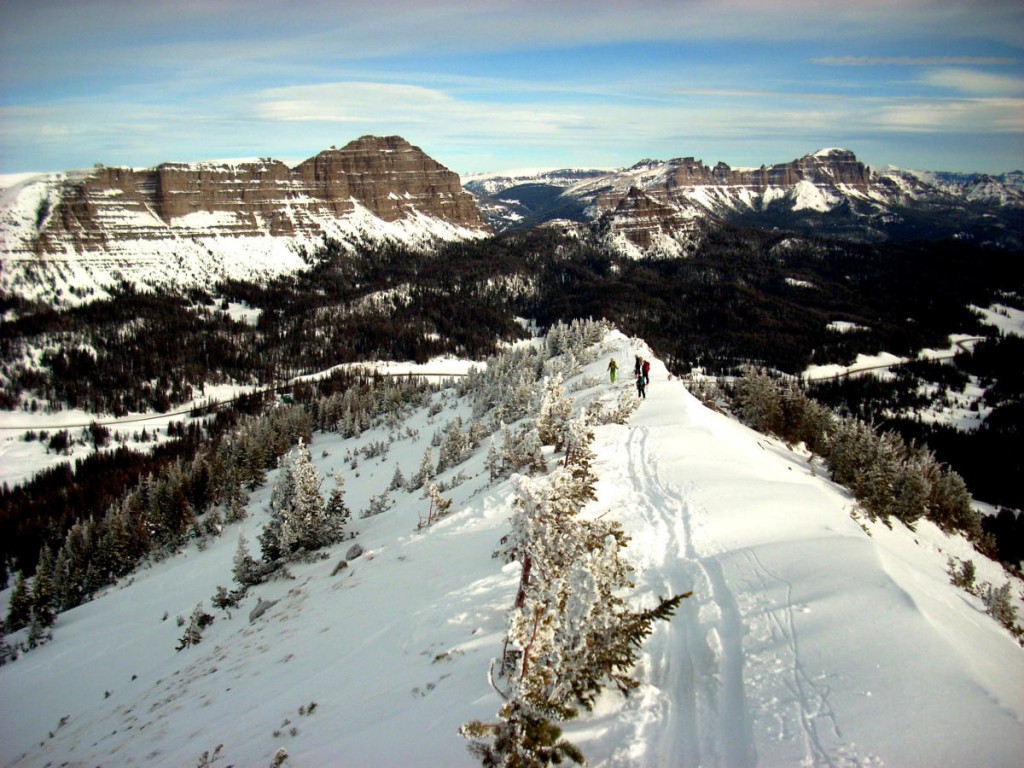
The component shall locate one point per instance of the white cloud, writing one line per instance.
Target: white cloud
(973, 82)
(912, 61)
(997, 115)
(407, 105)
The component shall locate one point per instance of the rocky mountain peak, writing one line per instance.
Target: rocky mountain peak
(223, 215)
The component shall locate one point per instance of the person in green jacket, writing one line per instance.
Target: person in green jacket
(612, 367)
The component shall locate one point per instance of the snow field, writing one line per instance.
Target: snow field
(808, 640)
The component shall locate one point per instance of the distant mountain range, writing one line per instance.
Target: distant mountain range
(74, 233)
(657, 208)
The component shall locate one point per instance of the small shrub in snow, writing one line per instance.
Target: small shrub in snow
(207, 759)
(199, 621)
(224, 599)
(439, 507)
(379, 504)
(962, 574)
(998, 606)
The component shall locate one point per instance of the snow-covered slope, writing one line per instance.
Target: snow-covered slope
(808, 641)
(72, 235)
(825, 192)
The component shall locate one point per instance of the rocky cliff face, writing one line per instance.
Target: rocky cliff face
(387, 177)
(197, 222)
(653, 207)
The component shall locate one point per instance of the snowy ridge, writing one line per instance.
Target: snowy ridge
(808, 641)
(824, 191)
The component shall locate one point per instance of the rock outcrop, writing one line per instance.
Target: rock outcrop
(189, 223)
(388, 177)
(655, 207)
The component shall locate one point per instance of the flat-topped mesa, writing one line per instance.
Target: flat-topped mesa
(388, 177)
(827, 167)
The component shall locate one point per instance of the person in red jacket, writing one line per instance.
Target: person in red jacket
(646, 368)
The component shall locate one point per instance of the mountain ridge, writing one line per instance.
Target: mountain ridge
(74, 235)
(809, 626)
(191, 223)
(827, 192)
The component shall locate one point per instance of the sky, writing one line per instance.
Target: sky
(511, 84)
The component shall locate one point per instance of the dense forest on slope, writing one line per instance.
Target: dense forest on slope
(745, 296)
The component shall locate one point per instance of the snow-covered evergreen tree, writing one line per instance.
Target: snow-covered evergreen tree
(569, 631)
(425, 473)
(19, 609)
(397, 479)
(304, 523)
(246, 570)
(336, 513)
(300, 520)
(758, 403)
(555, 411)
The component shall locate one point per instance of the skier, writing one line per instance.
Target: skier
(647, 372)
(637, 366)
(612, 366)
(641, 386)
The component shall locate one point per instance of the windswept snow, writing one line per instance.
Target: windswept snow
(810, 639)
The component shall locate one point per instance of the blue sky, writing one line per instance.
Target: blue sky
(510, 84)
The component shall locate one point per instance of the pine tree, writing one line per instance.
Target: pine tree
(305, 524)
(569, 631)
(555, 412)
(282, 498)
(245, 569)
(425, 473)
(494, 462)
(44, 611)
(337, 513)
(19, 609)
(397, 479)
(235, 499)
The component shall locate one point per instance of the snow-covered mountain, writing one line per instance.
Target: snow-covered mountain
(182, 224)
(813, 637)
(657, 207)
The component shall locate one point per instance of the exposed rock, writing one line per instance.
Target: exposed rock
(262, 606)
(391, 178)
(353, 552)
(657, 208)
(387, 176)
(644, 221)
(195, 223)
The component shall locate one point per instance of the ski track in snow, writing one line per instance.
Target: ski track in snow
(726, 647)
(712, 717)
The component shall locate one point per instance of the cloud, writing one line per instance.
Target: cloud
(912, 61)
(953, 116)
(974, 82)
